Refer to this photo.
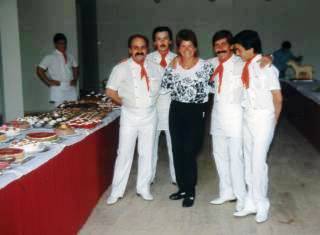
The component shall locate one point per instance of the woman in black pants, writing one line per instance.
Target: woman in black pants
(189, 86)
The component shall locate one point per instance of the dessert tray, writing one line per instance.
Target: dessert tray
(10, 131)
(16, 153)
(27, 137)
(29, 146)
(42, 136)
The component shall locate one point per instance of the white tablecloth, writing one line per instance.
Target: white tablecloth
(39, 159)
(306, 88)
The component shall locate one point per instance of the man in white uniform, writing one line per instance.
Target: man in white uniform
(59, 71)
(162, 40)
(262, 106)
(135, 85)
(226, 121)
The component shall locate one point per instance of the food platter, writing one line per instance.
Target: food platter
(42, 136)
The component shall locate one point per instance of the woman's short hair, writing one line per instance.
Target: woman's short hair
(134, 36)
(249, 39)
(186, 35)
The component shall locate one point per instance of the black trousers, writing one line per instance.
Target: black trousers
(186, 125)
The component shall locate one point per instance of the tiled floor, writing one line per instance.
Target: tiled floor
(294, 192)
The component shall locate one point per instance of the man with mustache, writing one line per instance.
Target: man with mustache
(226, 119)
(162, 41)
(135, 85)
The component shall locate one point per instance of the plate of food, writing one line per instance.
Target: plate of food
(10, 131)
(65, 130)
(16, 153)
(22, 125)
(4, 138)
(30, 146)
(4, 165)
(42, 136)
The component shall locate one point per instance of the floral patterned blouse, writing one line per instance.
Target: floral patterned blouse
(188, 85)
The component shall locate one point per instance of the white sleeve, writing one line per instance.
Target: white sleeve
(45, 62)
(273, 78)
(74, 62)
(114, 80)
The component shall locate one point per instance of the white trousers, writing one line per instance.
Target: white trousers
(170, 155)
(133, 127)
(227, 153)
(258, 132)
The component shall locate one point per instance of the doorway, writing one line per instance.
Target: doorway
(88, 48)
(1, 89)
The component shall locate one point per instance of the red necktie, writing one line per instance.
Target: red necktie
(163, 61)
(218, 70)
(65, 57)
(144, 74)
(245, 77)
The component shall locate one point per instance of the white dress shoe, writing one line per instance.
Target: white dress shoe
(262, 216)
(221, 200)
(239, 205)
(244, 212)
(112, 200)
(146, 196)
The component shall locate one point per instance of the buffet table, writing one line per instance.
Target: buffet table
(55, 193)
(302, 108)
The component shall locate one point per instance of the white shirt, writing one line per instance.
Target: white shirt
(58, 70)
(231, 87)
(156, 57)
(126, 79)
(163, 102)
(226, 118)
(262, 81)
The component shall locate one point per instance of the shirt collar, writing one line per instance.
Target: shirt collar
(158, 55)
(256, 58)
(229, 61)
(58, 52)
(135, 65)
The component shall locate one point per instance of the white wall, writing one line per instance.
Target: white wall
(10, 59)
(117, 20)
(276, 21)
(1, 86)
(280, 20)
(39, 20)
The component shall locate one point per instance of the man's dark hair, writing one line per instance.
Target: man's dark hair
(221, 35)
(186, 35)
(134, 36)
(59, 37)
(286, 45)
(249, 39)
(161, 29)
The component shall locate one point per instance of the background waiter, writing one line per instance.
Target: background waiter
(59, 70)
